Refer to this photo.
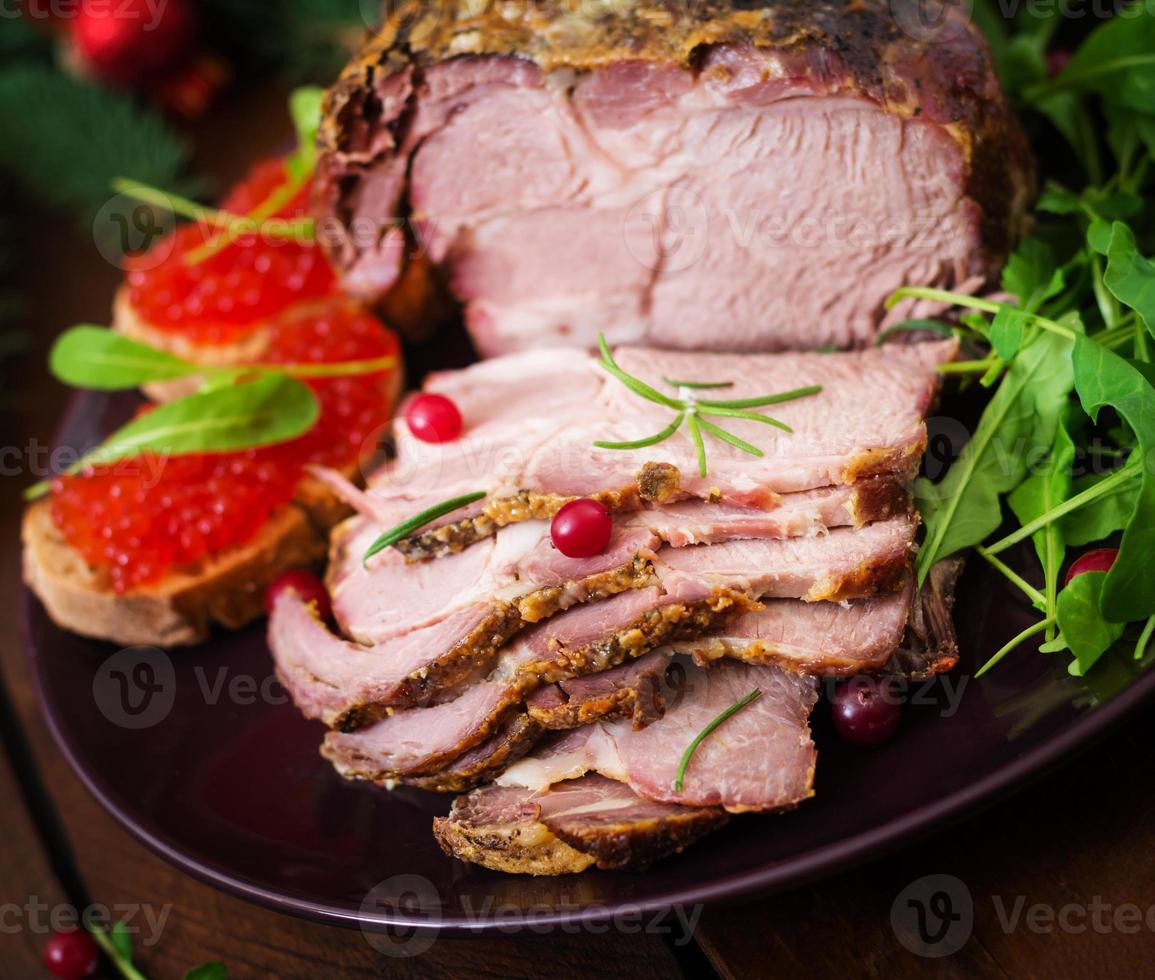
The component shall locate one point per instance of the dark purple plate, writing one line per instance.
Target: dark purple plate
(200, 755)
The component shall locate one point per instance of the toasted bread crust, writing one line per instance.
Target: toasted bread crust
(179, 610)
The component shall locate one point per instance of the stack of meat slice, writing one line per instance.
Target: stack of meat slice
(474, 652)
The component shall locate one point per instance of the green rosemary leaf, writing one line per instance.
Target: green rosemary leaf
(635, 385)
(708, 731)
(700, 385)
(650, 440)
(418, 521)
(718, 432)
(699, 443)
(735, 413)
(785, 396)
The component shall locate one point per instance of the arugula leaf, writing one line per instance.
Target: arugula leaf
(1046, 488)
(1085, 631)
(1019, 423)
(1117, 61)
(1129, 276)
(1007, 331)
(1031, 275)
(88, 356)
(1104, 379)
(1101, 518)
(271, 409)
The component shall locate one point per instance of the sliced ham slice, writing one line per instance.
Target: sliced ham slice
(568, 828)
(762, 758)
(632, 690)
(826, 638)
(420, 741)
(530, 458)
(346, 684)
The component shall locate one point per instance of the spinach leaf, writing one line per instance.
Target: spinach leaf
(95, 357)
(1018, 424)
(1084, 629)
(1129, 276)
(1117, 61)
(1102, 517)
(1031, 275)
(1102, 379)
(271, 409)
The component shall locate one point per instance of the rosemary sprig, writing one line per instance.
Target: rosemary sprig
(418, 521)
(708, 731)
(702, 385)
(694, 411)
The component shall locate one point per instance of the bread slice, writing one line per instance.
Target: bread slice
(227, 588)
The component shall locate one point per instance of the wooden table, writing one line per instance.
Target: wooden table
(1081, 836)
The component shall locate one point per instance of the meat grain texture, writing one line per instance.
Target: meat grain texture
(751, 175)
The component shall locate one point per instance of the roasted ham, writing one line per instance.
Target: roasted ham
(707, 175)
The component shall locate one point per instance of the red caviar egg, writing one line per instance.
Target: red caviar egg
(581, 529)
(221, 299)
(433, 418)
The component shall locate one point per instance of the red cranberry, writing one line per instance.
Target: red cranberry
(306, 585)
(433, 418)
(865, 711)
(71, 955)
(1099, 560)
(582, 529)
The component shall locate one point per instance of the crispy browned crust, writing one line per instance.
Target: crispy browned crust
(637, 843)
(861, 46)
(555, 846)
(654, 629)
(528, 848)
(226, 589)
(882, 492)
(930, 645)
(473, 655)
(642, 705)
(525, 505)
(514, 739)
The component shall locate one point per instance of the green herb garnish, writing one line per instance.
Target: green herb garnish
(708, 731)
(418, 521)
(694, 411)
(270, 409)
(88, 356)
(1067, 439)
(117, 946)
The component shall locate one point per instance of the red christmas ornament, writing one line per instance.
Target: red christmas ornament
(132, 41)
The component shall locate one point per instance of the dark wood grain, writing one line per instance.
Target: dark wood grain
(1086, 831)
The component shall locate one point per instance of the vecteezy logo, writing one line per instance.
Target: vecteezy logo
(126, 230)
(667, 229)
(933, 916)
(932, 21)
(135, 688)
(411, 896)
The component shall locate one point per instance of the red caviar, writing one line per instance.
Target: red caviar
(142, 517)
(222, 298)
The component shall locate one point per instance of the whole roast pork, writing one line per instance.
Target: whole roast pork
(743, 175)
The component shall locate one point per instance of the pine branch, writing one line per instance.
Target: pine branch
(66, 140)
